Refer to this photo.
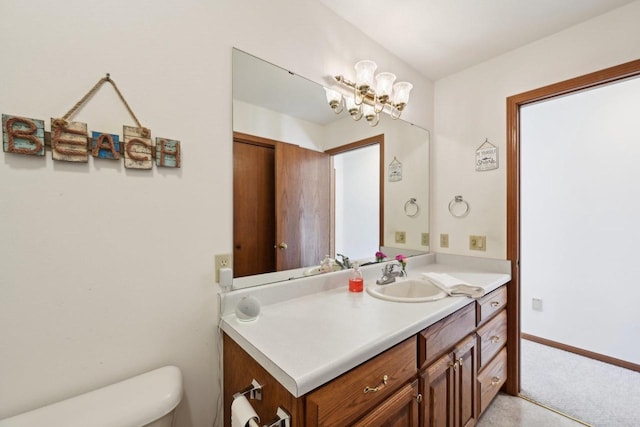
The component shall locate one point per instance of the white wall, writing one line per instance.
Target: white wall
(254, 120)
(471, 106)
(579, 214)
(106, 273)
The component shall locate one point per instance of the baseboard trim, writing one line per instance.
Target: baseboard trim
(582, 352)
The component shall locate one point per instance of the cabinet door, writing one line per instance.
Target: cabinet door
(399, 410)
(437, 386)
(465, 356)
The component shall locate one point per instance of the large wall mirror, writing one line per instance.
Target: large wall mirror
(310, 183)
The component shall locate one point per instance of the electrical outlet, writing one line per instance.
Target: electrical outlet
(221, 261)
(425, 239)
(536, 304)
(444, 240)
(478, 243)
(401, 237)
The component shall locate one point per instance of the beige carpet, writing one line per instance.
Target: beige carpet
(603, 395)
(512, 411)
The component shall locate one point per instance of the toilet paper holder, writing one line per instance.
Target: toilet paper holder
(283, 419)
(254, 391)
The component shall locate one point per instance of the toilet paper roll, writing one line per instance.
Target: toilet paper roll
(242, 412)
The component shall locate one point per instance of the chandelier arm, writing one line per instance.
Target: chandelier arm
(376, 101)
(355, 96)
(375, 123)
(358, 115)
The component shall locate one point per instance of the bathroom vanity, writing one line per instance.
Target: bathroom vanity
(329, 357)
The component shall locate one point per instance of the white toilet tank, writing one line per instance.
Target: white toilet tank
(145, 400)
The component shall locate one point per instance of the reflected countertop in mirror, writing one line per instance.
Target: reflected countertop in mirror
(273, 104)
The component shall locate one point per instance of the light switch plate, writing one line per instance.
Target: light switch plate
(444, 240)
(401, 237)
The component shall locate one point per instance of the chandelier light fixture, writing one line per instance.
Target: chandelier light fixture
(366, 100)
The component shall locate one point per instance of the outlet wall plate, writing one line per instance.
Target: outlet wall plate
(536, 304)
(444, 240)
(425, 239)
(401, 237)
(478, 243)
(221, 261)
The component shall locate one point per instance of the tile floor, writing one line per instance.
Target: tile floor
(511, 411)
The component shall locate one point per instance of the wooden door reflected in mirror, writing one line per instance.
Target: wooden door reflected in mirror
(281, 206)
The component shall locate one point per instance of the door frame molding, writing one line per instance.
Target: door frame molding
(377, 139)
(591, 80)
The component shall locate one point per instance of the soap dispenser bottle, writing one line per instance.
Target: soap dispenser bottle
(356, 282)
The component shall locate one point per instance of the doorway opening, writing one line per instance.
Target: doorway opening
(357, 217)
(516, 215)
(358, 197)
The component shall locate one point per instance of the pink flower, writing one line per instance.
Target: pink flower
(380, 256)
(402, 260)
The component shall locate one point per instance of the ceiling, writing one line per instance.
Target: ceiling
(442, 37)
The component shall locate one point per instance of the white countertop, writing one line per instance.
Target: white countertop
(306, 341)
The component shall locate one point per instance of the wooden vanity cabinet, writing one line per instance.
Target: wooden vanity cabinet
(491, 304)
(358, 392)
(239, 370)
(492, 340)
(448, 359)
(445, 376)
(399, 410)
(382, 391)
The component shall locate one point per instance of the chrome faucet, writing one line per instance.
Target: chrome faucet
(344, 263)
(389, 274)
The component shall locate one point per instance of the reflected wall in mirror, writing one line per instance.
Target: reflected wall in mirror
(305, 179)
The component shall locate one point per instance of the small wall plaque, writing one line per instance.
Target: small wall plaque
(105, 145)
(137, 149)
(167, 153)
(486, 157)
(69, 142)
(22, 135)
(395, 170)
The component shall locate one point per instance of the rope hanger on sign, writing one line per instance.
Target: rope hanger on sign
(62, 122)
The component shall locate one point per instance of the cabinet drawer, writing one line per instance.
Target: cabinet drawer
(491, 303)
(492, 378)
(348, 397)
(492, 337)
(440, 337)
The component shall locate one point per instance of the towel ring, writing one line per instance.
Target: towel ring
(411, 208)
(458, 207)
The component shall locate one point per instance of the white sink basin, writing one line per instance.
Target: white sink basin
(318, 269)
(407, 290)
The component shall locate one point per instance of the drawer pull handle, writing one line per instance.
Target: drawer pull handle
(379, 387)
(460, 362)
(495, 339)
(495, 380)
(419, 398)
(495, 303)
(454, 365)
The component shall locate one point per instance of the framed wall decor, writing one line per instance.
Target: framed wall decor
(486, 157)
